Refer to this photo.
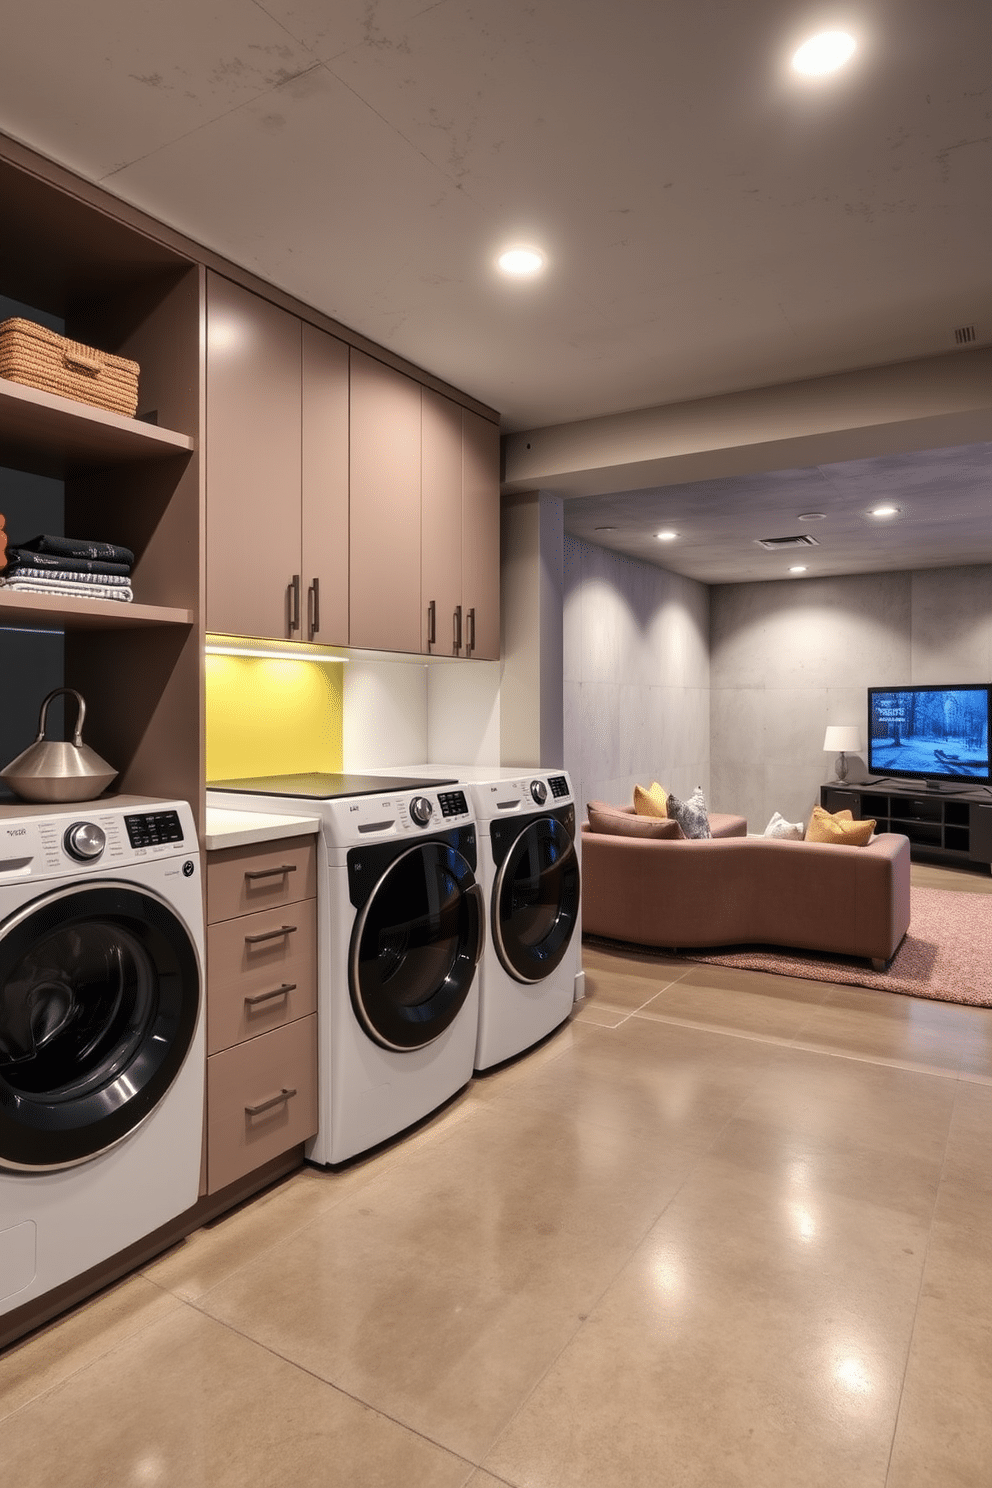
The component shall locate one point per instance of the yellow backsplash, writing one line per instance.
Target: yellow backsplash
(269, 717)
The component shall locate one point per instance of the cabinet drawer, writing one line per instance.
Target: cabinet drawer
(241, 880)
(253, 956)
(261, 1100)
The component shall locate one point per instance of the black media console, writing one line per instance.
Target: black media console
(941, 827)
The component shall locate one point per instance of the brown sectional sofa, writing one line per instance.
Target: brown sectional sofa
(735, 889)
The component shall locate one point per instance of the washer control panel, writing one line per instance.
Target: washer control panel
(452, 803)
(84, 841)
(153, 828)
(421, 810)
(64, 842)
(539, 791)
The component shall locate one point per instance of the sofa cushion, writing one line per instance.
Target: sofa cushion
(651, 801)
(779, 827)
(691, 815)
(622, 821)
(839, 828)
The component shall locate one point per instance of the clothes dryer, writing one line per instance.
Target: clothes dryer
(531, 971)
(401, 927)
(101, 1033)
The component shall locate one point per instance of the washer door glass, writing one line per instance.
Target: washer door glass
(99, 995)
(415, 947)
(536, 901)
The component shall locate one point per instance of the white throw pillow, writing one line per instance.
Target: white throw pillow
(779, 827)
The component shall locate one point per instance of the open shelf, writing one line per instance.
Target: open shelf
(951, 829)
(55, 436)
(75, 612)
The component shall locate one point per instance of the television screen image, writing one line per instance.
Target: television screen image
(929, 733)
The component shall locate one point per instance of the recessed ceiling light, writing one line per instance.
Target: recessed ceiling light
(798, 568)
(666, 536)
(824, 53)
(885, 511)
(521, 261)
(811, 516)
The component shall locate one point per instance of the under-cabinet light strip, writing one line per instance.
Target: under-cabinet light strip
(270, 654)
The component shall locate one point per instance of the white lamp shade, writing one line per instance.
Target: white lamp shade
(842, 738)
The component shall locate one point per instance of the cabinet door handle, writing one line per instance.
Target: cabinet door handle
(293, 595)
(458, 627)
(270, 934)
(432, 623)
(282, 991)
(313, 609)
(470, 643)
(273, 1100)
(271, 872)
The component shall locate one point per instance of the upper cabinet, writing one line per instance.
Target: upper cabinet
(460, 523)
(277, 472)
(385, 507)
(424, 519)
(480, 535)
(325, 488)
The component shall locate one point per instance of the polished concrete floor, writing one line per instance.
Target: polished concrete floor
(725, 1228)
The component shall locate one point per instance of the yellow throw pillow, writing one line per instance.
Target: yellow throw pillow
(839, 828)
(653, 802)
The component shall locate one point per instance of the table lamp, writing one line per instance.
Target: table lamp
(841, 739)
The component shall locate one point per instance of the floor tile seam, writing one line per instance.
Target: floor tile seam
(919, 1295)
(283, 1238)
(332, 1385)
(794, 1042)
(97, 1358)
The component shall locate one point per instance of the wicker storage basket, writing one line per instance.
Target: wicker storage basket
(40, 358)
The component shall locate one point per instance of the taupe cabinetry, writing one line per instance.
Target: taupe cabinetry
(277, 471)
(261, 1005)
(460, 530)
(424, 519)
(385, 507)
(131, 481)
(480, 534)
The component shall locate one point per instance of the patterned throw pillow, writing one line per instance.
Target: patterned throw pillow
(839, 828)
(779, 827)
(691, 815)
(621, 821)
(653, 802)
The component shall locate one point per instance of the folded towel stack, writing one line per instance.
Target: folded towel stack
(70, 565)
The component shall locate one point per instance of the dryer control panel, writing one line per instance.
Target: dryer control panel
(358, 819)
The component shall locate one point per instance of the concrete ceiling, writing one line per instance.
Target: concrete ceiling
(712, 221)
(944, 519)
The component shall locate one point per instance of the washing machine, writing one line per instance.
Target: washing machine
(531, 972)
(101, 1033)
(401, 928)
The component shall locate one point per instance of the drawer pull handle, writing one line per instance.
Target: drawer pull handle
(270, 934)
(282, 991)
(271, 872)
(273, 1100)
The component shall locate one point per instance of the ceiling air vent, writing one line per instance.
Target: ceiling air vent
(773, 544)
(964, 335)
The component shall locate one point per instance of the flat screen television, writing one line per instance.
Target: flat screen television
(930, 733)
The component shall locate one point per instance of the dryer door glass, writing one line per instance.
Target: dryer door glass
(536, 901)
(415, 947)
(99, 995)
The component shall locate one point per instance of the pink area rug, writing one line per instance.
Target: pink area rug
(946, 955)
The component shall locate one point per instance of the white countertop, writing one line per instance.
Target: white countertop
(226, 828)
